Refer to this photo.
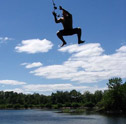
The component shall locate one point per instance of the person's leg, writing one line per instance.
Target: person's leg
(78, 32)
(60, 36)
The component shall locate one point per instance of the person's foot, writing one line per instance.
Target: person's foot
(79, 42)
(63, 44)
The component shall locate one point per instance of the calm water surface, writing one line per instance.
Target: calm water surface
(51, 117)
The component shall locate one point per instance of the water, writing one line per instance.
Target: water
(51, 117)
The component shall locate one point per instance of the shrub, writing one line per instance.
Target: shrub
(89, 104)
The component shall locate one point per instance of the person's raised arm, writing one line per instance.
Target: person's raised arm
(60, 7)
(56, 20)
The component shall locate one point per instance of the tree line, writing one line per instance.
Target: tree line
(112, 99)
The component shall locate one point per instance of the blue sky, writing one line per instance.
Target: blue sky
(32, 61)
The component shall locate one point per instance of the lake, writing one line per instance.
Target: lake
(52, 117)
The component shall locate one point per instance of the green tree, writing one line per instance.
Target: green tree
(75, 96)
(98, 96)
(123, 90)
(114, 83)
(88, 97)
(112, 99)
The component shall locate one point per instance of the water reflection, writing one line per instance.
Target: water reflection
(51, 117)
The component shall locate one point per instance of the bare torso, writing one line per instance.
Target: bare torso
(67, 22)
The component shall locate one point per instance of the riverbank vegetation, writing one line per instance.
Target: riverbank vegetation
(113, 99)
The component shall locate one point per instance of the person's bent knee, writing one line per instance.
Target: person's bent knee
(58, 33)
(79, 29)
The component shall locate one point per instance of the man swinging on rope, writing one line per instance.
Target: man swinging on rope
(67, 23)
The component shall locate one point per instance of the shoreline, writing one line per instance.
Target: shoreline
(73, 110)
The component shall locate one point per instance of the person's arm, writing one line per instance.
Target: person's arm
(60, 7)
(56, 20)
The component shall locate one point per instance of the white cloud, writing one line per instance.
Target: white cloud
(5, 39)
(92, 49)
(88, 63)
(47, 89)
(32, 65)
(11, 82)
(25, 63)
(34, 46)
(17, 90)
(59, 87)
(122, 49)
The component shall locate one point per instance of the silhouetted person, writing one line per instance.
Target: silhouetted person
(67, 23)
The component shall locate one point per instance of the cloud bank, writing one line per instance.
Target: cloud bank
(12, 82)
(34, 46)
(49, 88)
(59, 87)
(87, 64)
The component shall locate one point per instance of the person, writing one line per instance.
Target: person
(67, 23)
